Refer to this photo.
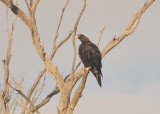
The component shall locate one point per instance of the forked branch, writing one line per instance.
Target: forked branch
(30, 102)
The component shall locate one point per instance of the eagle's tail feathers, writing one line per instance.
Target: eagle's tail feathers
(98, 75)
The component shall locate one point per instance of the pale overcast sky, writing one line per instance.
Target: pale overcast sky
(131, 71)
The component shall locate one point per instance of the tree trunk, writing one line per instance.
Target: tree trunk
(63, 102)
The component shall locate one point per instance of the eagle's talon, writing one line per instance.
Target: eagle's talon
(88, 68)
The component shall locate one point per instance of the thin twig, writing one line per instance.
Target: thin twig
(14, 100)
(73, 39)
(60, 44)
(28, 7)
(24, 96)
(59, 24)
(47, 99)
(14, 108)
(33, 88)
(35, 98)
(99, 37)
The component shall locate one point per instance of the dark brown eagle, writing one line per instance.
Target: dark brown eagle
(90, 56)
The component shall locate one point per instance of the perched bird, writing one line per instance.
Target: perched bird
(90, 56)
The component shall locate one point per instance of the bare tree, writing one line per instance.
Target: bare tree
(64, 85)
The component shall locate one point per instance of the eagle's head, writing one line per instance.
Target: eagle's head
(82, 38)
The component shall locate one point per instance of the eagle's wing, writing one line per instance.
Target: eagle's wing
(95, 61)
(94, 54)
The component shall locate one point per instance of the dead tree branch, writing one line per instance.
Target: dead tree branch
(6, 95)
(73, 39)
(16, 11)
(78, 92)
(132, 25)
(6, 67)
(59, 24)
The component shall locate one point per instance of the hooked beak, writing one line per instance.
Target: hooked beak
(76, 37)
